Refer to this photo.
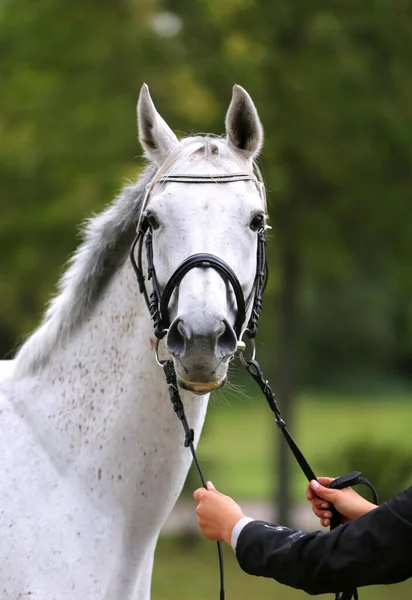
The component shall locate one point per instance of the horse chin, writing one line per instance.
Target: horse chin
(201, 388)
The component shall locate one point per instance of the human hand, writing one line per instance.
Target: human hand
(217, 514)
(347, 502)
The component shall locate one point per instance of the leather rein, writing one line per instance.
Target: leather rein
(157, 302)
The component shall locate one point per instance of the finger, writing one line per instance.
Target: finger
(322, 513)
(310, 495)
(319, 503)
(325, 481)
(199, 493)
(210, 486)
(322, 492)
(325, 522)
(319, 513)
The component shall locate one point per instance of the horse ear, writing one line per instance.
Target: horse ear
(243, 126)
(155, 135)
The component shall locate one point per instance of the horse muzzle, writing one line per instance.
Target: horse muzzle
(201, 388)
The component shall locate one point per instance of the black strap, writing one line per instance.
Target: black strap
(170, 375)
(353, 478)
(204, 261)
(261, 279)
(255, 371)
(350, 479)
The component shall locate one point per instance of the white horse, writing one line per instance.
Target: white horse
(91, 453)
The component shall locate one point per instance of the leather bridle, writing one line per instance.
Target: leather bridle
(158, 302)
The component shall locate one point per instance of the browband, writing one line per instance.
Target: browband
(194, 178)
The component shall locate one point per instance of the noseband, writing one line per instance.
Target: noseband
(158, 301)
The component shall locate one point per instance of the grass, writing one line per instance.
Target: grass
(183, 574)
(238, 447)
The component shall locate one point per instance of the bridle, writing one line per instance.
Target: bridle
(158, 301)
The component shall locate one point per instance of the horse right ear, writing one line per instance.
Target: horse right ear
(243, 127)
(155, 135)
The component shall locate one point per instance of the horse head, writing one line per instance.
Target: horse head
(205, 199)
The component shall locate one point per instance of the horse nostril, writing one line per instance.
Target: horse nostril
(226, 341)
(178, 334)
(220, 339)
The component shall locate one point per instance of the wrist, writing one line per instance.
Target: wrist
(366, 507)
(362, 507)
(229, 525)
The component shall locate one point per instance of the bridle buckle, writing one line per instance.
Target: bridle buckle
(241, 346)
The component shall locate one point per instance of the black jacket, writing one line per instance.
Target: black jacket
(373, 549)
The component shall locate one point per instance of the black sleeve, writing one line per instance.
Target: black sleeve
(373, 549)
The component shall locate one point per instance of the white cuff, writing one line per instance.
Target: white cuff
(237, 529)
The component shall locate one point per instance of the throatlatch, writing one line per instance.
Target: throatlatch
(158, 303)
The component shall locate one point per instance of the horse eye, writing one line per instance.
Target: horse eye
(153, 222)
(257, 222)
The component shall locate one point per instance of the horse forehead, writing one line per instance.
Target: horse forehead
(231, 198)
(211, 204)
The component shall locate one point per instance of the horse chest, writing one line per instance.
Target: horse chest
(93, 492)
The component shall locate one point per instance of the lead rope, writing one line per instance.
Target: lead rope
(170, 375)
(255, 371)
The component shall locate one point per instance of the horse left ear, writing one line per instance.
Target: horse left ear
(155, 134)
(243, 126)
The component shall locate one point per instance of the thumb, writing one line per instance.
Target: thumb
(210, 486)
(198, 494)
(323, 492)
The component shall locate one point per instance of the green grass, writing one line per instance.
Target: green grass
(239, 445)
(192, 573)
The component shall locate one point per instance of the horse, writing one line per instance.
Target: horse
(92, 459)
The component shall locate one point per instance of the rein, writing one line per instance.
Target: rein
(158, 303)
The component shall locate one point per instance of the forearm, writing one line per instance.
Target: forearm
(374, 549)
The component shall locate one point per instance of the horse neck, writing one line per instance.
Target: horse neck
(103, 398)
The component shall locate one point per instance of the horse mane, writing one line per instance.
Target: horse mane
(107, 238)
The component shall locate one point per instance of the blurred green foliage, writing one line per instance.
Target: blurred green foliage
(387, 466)
(337, 434)
(331, 81)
